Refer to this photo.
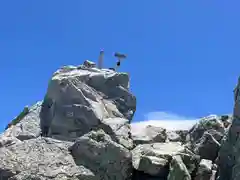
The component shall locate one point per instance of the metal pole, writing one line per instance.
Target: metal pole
(100, 59)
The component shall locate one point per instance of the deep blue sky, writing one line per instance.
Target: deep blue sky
(183, 56)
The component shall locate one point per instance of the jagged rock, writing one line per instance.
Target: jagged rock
(173, 136)
(227, 120)
(8, 141)
(205, 137)
(17, 119)
(228, 159)
(40, 158)
(208, 147)
(178, 170)
(120, 129)
(184, 134)
(28, 127)
(154, 159)
(105, 158)
(149, 134)
(191, 161)
(89, 64)
(81, 99)
(204, 170)
(89, 106)
(86, 115)
(210, 123)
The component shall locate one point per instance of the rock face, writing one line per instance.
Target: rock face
(81, 131)
(229, 155)
(80, 99)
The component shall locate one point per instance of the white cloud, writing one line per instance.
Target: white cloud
(167, 120)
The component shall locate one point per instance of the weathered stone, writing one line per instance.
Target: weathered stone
(82, 99)
(184, 135)
(178, 170)
(40, 158)
(227, 120)
(173, 136)
(208, 147)
(150, 134)
(89, 64)
(86, 115)
(89, 106)
(204, 170)
(154, 158)
(8, 141)
(190, 160)
(229, 157)
(17, 119)
(105, 158)
(210, 123)
(28, 127)
(120, 130)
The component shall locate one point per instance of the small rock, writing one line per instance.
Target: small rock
(149, 134)
(153, 159)
(204, 170)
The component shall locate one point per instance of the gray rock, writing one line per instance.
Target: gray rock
(89, 64)
(86, 115)
(150, 134)
(120, 129)
(214, 175)
(105, 158)
(204, 170)
(210, 123)
(208, 147)
(227, 120)
(173, 136)
(154, 158)
(178, 170)
(228, 159)
(84, 109)
(190, 160)
(81, 99)
(8, 141)
(40, 158)
(28, 127)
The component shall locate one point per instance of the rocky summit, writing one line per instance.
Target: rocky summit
(82, 131)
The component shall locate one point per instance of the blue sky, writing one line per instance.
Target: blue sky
(183, 56)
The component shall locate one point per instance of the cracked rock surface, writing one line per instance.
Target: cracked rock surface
(82, 130)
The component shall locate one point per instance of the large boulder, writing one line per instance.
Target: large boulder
(105, 158)
(204, 170)
(205, 137)
(154, 159)
(178, 170)
(208, 147)
(81, 99)
(211, 124)
(149, 134)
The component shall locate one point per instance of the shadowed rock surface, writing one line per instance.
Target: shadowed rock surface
(81, 131)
